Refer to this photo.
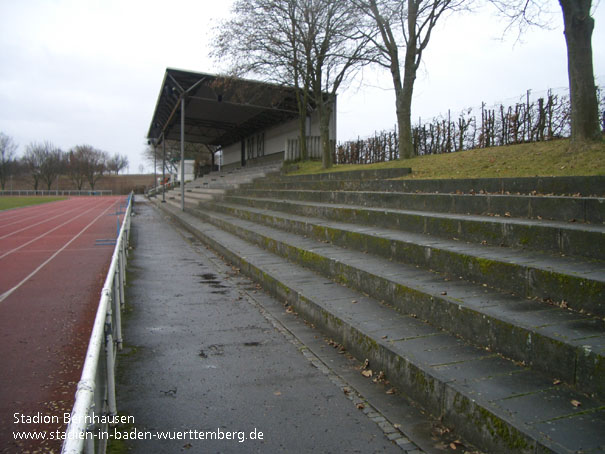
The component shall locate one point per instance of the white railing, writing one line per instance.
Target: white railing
(314, 150)
(68, 192)
(157, 190)
(95, 403)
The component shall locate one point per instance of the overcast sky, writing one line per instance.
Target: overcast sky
(89, 71)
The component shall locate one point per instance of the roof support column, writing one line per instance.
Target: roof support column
(182, 153)
(163, 169)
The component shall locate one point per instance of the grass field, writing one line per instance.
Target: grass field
(554, 158)
(8, 202)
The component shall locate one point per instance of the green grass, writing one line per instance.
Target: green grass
(554, 158)
(8, 202)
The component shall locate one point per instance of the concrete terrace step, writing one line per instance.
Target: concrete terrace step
(201, 192)
(176, 202)
(580, 283)
(559, 237)
(351, 175)
(536, 333)
(193, 197)
(382, 182)
(236, 176)
(497, 404)
(215, 184)
(558, 208)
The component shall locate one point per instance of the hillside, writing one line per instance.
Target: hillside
(552, 158)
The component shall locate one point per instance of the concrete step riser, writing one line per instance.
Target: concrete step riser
(578, 293)
(553, 208)
(574, 365)
(536, 237)
(177, 203)
(442, 399)
(194, 198)
(354, 175)
(586, 186)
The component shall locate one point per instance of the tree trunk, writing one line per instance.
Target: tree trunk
(324, 131)
(302, 103)
(582, 91)
(302, 136)
(404, 99)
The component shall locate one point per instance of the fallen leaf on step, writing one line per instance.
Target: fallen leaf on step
(556, 381)
(576, 403)
(367, 373)
(360, 406)
(391, 391)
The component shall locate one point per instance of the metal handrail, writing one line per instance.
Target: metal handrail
(95, 402)
(155, 190)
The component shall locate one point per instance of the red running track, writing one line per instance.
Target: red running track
(51, 276)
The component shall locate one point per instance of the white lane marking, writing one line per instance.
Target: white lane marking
(38, 223)
(24, 218)
(46, 233)
(12, 213)
(47, 261)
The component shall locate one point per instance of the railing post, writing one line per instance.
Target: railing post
(89, 445)
(121, 276)
(109, 359)
(117, 308)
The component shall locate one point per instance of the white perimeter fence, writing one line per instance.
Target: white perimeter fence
(55, 192)
(95, 403)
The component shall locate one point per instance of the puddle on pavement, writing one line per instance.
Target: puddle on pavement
(211, 279)
(212, 350)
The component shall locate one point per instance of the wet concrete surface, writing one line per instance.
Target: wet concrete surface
(204, 360)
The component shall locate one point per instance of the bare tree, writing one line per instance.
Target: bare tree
(311, 45)
(32, 162)
(45, 163)
(76, 165)
(95, 165)
(53, 164)
(8, 149)
(117, 163)
(578, 25)
(339, 44)
(262, 38)
(155, 155)
(409, 25)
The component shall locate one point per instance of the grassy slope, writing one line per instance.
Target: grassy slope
(8, 202)
(526, 160)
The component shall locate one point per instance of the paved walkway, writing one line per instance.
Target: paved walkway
(205, 358)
